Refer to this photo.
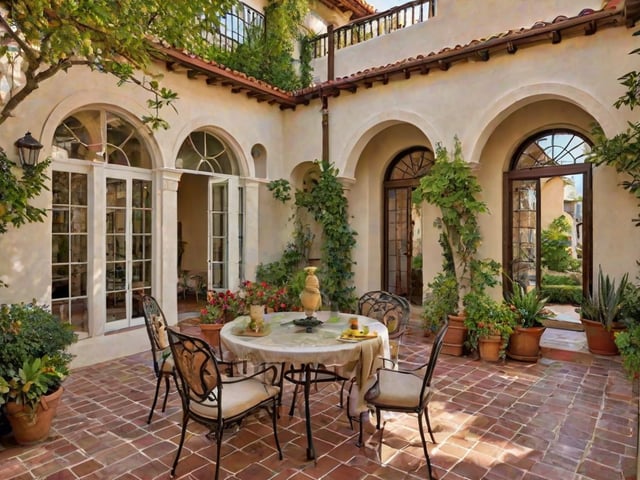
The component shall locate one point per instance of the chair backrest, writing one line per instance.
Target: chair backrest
(392, 310)
(197, 368)
(435, 353)
(157, 326)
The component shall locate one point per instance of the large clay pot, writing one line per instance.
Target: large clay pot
(489, 348)
(453, 342)
(600, 340)
(29, 428)
(211, 333)
(524, 344)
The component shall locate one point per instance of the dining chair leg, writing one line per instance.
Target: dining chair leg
(167, 387)
(185, 419)
(426, 416)
(155, 399)
(424, 444)
(274, 421)
(219, 430)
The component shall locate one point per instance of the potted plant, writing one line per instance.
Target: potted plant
(601, 313)
(33, 363)
(490, 324)
(529, 309)
(628, 340)
(221, 307)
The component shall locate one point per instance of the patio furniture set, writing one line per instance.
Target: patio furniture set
(289, 350)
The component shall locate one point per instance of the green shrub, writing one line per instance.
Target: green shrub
(549, 279)
(562, 293)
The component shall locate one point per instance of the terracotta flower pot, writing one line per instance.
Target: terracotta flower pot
(524, 344)
(600, 340)
(489, 348)
(455, 337)
(211, 333)
(28, 428)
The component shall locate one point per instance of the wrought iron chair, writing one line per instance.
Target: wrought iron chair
(163, 367)
(392, 310)
(406, 391)
(216, 401)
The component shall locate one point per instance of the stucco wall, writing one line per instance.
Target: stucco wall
(492, 106)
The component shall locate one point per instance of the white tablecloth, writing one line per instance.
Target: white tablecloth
(289, 343)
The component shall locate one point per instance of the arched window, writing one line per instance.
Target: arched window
(101, 135)
(205, 152)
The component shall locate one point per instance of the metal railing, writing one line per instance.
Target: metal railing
(373, 26)
(233, 28)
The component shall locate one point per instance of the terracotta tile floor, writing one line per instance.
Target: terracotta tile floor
(553, 420)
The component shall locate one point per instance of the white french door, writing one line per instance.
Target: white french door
(128, 242)
(224, 232)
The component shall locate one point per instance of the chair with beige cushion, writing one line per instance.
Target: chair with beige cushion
(156, 324)
(216, 401)
(406, 391)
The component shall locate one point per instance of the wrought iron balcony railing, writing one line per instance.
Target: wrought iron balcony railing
(374, 26)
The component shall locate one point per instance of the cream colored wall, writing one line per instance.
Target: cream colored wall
(457, 22)
(492, 106)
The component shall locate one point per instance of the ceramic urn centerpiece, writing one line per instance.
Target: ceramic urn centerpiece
(310, 296)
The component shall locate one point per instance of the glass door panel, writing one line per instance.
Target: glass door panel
(524, 236)
(218, 239)
(128, 249)
(69, 240)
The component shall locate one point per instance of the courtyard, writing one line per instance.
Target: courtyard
(566, 417)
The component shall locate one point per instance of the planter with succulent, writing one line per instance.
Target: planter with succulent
(601, 313)
(33, 363)
(529, 309)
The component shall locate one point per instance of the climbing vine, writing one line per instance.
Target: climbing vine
(328, 206)
(267, 53)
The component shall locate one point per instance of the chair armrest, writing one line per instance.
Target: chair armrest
(266, 370)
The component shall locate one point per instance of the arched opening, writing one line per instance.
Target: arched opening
(102, 196)
(548, 236)
(402, 269)
(210, 216)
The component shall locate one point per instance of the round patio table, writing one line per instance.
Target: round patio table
(287, 343)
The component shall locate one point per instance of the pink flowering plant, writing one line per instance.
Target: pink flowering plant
(262, 293)
(221, 307)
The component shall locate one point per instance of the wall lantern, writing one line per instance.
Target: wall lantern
(28, 150)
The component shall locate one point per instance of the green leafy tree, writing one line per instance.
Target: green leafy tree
(556, 247)
(46, 37)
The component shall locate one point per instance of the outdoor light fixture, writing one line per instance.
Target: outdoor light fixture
(28, 150)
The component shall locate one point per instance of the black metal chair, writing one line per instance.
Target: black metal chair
(216, 401)
(163, 367)
(406, 391)
(392, 310)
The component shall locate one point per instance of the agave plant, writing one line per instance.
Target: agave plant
(605, 304)
(529, 306)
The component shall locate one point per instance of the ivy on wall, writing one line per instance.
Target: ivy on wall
(267, 53)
